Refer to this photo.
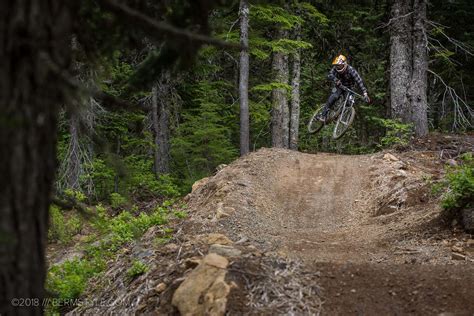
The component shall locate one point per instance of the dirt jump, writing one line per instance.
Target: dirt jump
(307, 234)
(366, 225)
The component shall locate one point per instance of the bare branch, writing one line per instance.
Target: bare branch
(460, 105)
(457, 44)
(231, 27)
(439, 51)
(153, 26)
(232, 58)
(393, 20)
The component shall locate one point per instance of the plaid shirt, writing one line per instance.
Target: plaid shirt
(348, 78)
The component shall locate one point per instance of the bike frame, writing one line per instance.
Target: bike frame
(349, 96)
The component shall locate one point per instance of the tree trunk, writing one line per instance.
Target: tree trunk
(400, 59)
(156, 128)
(295, 97)
(409, 63)
(34, 35)
(73, 169)
(419, 83)
(285, 74)
(164, 138)
(160, 118)
(244, 79)
(280, 111)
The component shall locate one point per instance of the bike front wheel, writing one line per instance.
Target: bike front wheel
(315, 124)
(344, 122)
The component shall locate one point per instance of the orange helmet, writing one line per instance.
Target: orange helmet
(340, 62)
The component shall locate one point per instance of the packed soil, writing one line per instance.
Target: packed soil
(368, 226)
(318, 234)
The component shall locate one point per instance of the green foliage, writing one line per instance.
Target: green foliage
(142, 182)
(269, 87)
(119, 72)
(180, 214)
(134, 175)
(262, 48)
(102, 176)
(137, 268)
(310, 13)
(460, 186)
(203, 139)
(57, 228)
(117, 201)
(69, 279)
(76, 195)
(165, 238)
(62, 227)
(100, 222)
(275, 15)
(396, 132)
(125, 227)
(285, 45)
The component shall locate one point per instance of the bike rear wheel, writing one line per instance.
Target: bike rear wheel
(344, 122)
(314, 124)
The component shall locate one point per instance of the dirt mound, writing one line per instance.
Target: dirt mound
(309, 233)
(322, 207)
(375, 213)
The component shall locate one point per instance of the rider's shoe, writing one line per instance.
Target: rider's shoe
(323, 116)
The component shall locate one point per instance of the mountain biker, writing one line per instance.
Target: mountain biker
(342, 74)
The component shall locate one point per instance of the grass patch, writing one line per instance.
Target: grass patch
(137, 268)
(69, 279)
(457, 188)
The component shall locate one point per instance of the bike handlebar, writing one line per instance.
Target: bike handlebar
(351, 91)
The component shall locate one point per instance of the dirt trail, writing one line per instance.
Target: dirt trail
(323, 233)
(363, 224)
(324, 218)
(319, 196)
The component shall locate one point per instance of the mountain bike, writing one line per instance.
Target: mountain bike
(342, 112)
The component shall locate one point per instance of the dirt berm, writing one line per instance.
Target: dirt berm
(310, 234)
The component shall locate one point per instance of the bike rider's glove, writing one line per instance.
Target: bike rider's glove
(337, 82)
(366, 97)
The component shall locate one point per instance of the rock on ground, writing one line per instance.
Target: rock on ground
(204, 291)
